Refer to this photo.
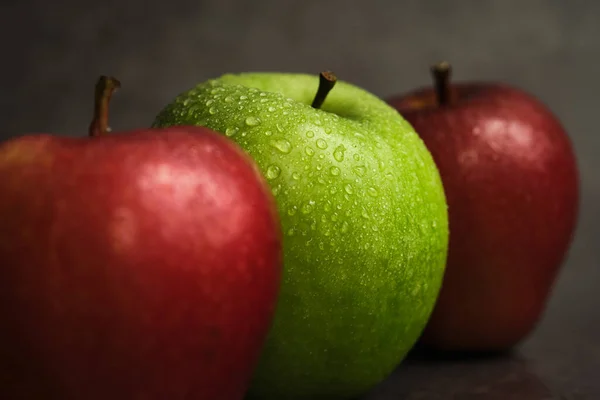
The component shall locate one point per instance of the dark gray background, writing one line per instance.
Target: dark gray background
(53, 52)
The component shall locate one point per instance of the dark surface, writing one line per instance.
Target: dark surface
(54, 51)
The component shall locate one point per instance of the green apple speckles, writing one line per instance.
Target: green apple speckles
(365, 222)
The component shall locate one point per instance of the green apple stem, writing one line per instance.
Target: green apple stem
(105, 87)
(327, 80)
(441, 77)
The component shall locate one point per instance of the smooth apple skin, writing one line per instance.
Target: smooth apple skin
(512, 186)
(364, 220)
(137, 265)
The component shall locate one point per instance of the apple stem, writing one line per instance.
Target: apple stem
(441, 77)
(105, 87)
(327, 80)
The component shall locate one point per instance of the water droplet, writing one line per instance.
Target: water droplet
(359, 135)
(334, 217)
(338, 153)
(264, 100)
(328, 131)
(229, 99)
(321, 144)
(365, 214)
(276, 190)
(209, 102)
(262, 94)
(349, 189)
(310, 134)
(268, 133)
(335, 171)
(282, 145)
(372, 192)
(318, 122)
(212, 110)
(252, 121)
(321, 156)
(313, 226)
(339, 206)
(243, 98)
(308, 207)
(271, 109)
(292, 211)
(186, 102)
(356, 157)
(309, 151)
(290, 232)
(296, 175)
(273, 171)
(279, 128)
(359, 170)
(345, 227)
(231, 131)
(333, 190)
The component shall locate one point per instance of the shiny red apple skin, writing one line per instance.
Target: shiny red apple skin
(136, 265)
(512, 186)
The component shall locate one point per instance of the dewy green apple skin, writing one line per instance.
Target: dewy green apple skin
(365, 221)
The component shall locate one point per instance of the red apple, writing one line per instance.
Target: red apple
(512, 187)
(139, 265)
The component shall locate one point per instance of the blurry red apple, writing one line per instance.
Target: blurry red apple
(139, 265)
(511, 182)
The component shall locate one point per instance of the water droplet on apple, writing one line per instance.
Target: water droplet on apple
(212, 110)
(321, 156)
(328, 131)
(287, 105)
(309, 151)
(321, 144)
(262, 94)
(279, 128)
(365, 214)
(271, 109)
(381, 165)
(338, 153)
(290, 232)
(359, 136)
(356, 157)
(310, 134)
(334, 217)
(187, 101)
(273, 171)
(252, 121)
(372, 192)
(295, 175)
(349, 189)
(209, 102)
(313, 226)
(276, 190)
(282, 145)
(264, 100)
(318, 122)
(231, 131)
(292, 211)
(308, 207)
(345, 227)
(335, 171)
(359, 170)
(229, 99)
(268, 133)
(242, 98)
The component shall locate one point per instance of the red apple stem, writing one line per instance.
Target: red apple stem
(105, 87)
(327, 80)
(441, 78)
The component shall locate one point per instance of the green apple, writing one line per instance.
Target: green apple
(365, 218)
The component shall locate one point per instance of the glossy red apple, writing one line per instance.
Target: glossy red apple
(135, 265)
(512, 187)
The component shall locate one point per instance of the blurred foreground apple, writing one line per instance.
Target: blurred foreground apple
(512, 185)
(135, 265)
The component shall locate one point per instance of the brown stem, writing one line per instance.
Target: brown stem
(105, 87)
(327, 80)
(441, 77)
